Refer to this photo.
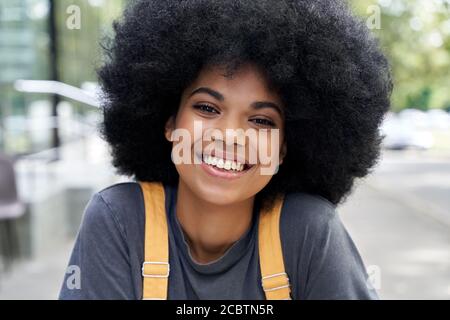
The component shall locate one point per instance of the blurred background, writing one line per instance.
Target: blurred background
(52, 159)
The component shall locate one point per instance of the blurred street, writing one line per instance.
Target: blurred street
(398, 218)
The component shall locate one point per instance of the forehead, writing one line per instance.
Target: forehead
(246, 82)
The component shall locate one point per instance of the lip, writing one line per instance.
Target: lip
(215, 172)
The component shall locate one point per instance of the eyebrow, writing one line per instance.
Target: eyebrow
(255, 105)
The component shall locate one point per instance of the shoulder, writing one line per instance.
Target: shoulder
(120, 192)
(301, 210)
(304, 224)
(122, 197)
(121, 202)
(306, 221)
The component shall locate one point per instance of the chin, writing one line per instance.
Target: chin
(220, 191)
(218, 195)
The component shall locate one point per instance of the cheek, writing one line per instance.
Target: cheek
(185, 120)
(267, 147)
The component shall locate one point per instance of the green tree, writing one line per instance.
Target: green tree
(416, 37)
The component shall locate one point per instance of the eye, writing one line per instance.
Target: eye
(205, 108)
(263, 122)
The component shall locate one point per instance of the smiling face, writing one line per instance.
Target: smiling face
(243, 103)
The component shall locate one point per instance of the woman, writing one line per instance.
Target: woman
(308, 73)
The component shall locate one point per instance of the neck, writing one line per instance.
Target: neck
(211, 229)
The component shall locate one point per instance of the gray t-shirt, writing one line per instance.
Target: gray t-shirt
(320, 258)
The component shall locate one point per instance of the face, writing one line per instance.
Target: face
(228, 128)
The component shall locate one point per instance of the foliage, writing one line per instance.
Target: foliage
(415, 35)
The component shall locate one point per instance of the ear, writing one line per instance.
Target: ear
(169, 127)
(283, 152)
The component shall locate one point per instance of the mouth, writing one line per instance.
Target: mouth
(222, 168)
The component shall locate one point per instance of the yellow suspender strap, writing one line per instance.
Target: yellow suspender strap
(275, 281)
(156, 268)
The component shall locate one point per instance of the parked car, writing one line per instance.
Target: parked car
(401, 133)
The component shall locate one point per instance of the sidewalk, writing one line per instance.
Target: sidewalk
(412, 249)
(36, 280)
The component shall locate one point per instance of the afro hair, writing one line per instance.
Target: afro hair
(325, 64)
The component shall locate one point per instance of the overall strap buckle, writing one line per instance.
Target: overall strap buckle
(271, 283)
(155, 269)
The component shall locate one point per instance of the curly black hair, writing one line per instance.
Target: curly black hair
(325, 64)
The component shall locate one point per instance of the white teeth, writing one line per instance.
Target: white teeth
(223, 164)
